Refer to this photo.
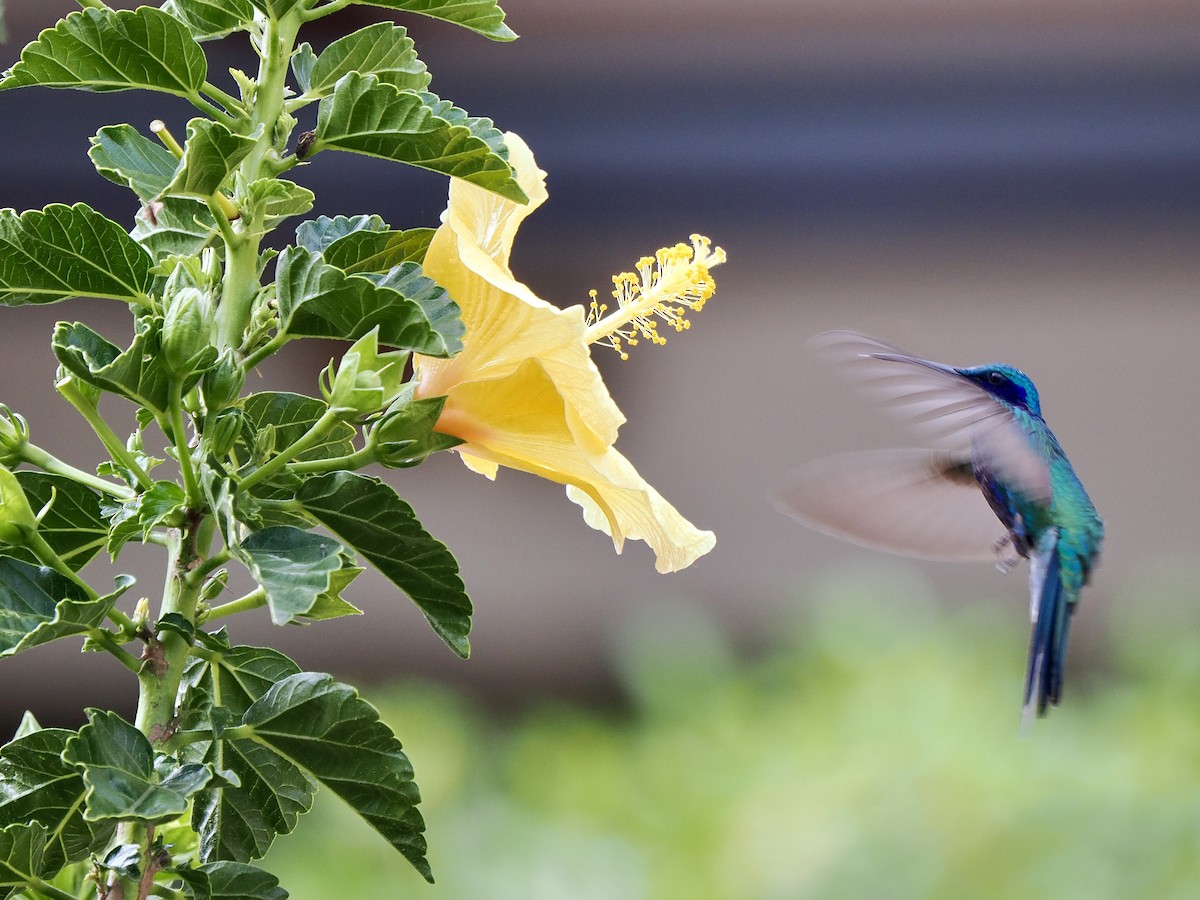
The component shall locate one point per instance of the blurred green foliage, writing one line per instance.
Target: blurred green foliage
(874, 753)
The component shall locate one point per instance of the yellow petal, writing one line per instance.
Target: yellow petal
(520, 422)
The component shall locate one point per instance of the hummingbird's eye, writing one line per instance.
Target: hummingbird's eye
(995, 378)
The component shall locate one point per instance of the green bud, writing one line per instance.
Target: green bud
(222, 384)
(14, 435)
(18, 524)
(186, 330)
(365, 380)
(404, 435)
(221, 430)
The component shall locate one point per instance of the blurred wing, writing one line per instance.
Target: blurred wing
(917, 503)
(941, 405)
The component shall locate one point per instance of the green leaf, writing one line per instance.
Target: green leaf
(411, 311)
(37, 605)
(22, 852)
(336, 737)
(378, 251)
(141, 515)
(291, 416)
(122, 777)
(36, 786)
(123, 155)
(331, 604)
(107, 50)
(383, 50)
(271, 200)
(73, 525)
(238, 819)
(69, 251)
(364, 115)
(482, 16)
(210, 155)
(175, 226)
(208, 19)
(316, 235)
(29, 725)
(276, 8)
(137, 374)
(230, 881)
(293, 566)
(369, 516)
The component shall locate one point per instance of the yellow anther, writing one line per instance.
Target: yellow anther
(669, 285)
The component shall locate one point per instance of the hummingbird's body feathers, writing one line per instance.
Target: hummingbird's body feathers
(999, 479)
(923, 504)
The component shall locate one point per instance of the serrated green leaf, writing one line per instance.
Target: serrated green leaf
(378, 251)
(123, 155)
(37, 605)
(137, 374)
(318, 300)
(230, 881)
(482, 16)
(210, 155)
(37, 786)
(239, 821)
(110, 50)
(293, 567)
(175, 226)
(122, 777)
(69, 251)
(272, 200)
(207, 19)
(291, 416)
(336, 737)
(370, 517)
(147, 511)
(73, 525)
(383, 50)
(331, 604)
(316, 235)
(22, 851)
(364, 115)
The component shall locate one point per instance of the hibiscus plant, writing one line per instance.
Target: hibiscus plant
(443, 350)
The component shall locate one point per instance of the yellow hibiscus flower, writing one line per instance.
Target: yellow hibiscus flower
(524, 392)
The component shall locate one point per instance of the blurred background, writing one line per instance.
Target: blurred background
(792, 716)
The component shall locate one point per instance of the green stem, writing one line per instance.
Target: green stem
(325, 10)
(198, 574)
(43, 887)
(212, 110)
(36, 456)
(227, 100)
(356, 460)
(36, 544)
(306, 441)
(270, 347)
(116, 450)
(253, 600)
(102, 638)
(191, 486)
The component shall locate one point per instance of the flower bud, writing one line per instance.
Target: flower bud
(18, 524)
(14, 435)
(186, 330)
(222, 384)
(404, 435)
(221, 430)
(365, 380)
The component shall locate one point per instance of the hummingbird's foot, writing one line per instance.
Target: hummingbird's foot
(1007, 560)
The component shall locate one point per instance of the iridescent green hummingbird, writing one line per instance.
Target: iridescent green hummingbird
(996, 459)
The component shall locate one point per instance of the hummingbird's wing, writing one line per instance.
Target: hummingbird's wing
(920, 503)
(943, 406)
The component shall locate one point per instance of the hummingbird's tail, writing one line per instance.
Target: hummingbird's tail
(1051, 622)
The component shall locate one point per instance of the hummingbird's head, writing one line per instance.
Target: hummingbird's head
(1008, 384)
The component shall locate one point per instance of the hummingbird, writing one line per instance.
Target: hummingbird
(995, 485)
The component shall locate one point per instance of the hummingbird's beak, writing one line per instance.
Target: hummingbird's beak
(900, 357)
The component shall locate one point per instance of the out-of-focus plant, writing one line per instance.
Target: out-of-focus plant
(446, 350)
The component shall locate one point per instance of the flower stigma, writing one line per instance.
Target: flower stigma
(668, 286)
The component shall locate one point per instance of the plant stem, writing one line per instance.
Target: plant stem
(355, 460)
(36, 456)
(48, 889)
(117, 451)
(36, 544)
(306, 441)
(253, 359)
(191, 486)
(252, 600)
